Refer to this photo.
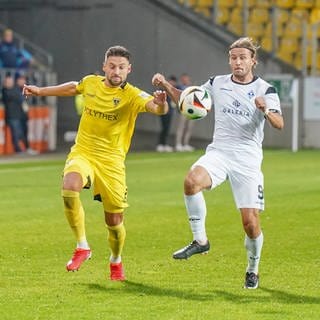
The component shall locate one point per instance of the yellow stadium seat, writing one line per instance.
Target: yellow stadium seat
(289, 44)
(307, 4)
(226, 3)
(311, 29)
(315, 15)
(285, 56)
(266, 43)
(255, 30)
(204, 11)
(236, 15)
(298, 59)
(259, 15)
(204, 7)
(285, 3)
(293, 29)
(300, 13)
(279, 29)
(263, 4)
(204, 4)
(283, 16)
(250, 3)
(318, 60)
(236, 28)
(223, 15)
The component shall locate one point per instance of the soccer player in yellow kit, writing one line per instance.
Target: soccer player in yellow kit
(111, 106)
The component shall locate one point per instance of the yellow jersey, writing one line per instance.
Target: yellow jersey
(108, 118)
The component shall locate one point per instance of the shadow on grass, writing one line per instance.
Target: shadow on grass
(286, 297)
(141, 289)
(260, 295)
(278, 296)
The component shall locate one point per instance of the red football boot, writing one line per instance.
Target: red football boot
(79, 256)
(117, 272)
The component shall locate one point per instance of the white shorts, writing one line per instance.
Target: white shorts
(244, 174)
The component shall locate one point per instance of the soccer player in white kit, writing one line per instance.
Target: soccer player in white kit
(242, 103)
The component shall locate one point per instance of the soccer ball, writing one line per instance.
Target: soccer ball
(194, 103)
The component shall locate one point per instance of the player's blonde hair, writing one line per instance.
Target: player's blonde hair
(247, 43)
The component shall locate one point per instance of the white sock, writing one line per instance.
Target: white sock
(197, 211)
(254, 247)
(115, 259)
(83, 245)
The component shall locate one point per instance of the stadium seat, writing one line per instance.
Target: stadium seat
(283, 16)
(255, 30)
(285, 55)
(223, 15)
(259, 15)
(263, 4)
(293, 29)
(300, 13)
(287, 4)
(311, 29)
(236, 15)
(236, 28)
(250, 3)
(279, 30)
(307, 4)
(204, 11)
(226, 3)
(315, 15)
(318, 60)
(266, 43)
(289, 26)
(204, 3)
(298, 60)
(205, 7)
(289, 44)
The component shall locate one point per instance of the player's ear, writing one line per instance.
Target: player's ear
(129, 68)
(255, 62)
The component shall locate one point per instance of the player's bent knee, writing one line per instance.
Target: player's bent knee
(72, 181)
(113, 219)
(191, 184)
(252, 229)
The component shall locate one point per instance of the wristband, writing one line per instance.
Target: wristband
(266, 112)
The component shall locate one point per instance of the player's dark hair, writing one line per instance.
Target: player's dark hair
(118, 51)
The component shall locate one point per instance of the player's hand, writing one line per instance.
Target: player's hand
(158, 80)
(29, 90)
(160, 97)
(260, 103)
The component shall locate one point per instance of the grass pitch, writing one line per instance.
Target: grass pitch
(36, 243)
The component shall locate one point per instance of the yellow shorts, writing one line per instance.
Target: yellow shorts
(108, 180)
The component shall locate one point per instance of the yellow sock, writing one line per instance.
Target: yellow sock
(75, 214)
(116, 237)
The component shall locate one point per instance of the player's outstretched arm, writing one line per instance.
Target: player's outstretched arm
(62, 90)
(159, 104)
(159, 80)
(275, 118)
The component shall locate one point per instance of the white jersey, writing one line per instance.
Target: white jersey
(239, 124)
